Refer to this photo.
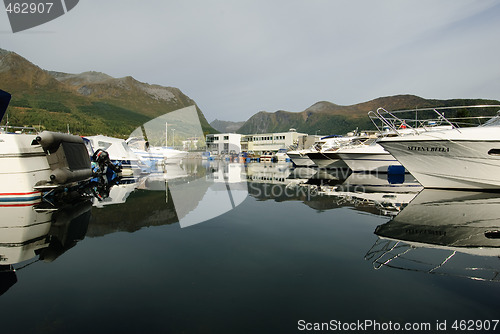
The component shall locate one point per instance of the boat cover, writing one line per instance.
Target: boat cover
(4, 102)
(69, 159)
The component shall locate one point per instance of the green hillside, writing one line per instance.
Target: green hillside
(88, 103)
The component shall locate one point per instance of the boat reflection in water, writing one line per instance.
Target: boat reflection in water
(322, 189)
(445, 233)
(189, 193)
(387, 192)
(30, 233)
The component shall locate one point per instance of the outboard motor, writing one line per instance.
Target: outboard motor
(106, 174)
(102, 159)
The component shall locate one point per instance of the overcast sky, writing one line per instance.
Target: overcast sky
(238, 57)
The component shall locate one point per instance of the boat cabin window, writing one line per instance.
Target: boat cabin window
(103, 145)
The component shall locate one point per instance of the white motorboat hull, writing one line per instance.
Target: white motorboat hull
(22, 165)
(170, 155)
(327, 160)
(468, 159)
(368, 162)
(473, 170)
(282, 157)
(301, 160)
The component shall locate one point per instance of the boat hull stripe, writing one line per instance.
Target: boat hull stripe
(17, 205)
(20, 194)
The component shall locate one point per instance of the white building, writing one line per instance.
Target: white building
(224, 143)
(192, 143)
(265, 142)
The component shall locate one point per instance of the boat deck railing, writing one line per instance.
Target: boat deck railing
(399, 122)
(18, 129)
(397, 254)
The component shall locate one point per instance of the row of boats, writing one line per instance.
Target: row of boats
(439, 153)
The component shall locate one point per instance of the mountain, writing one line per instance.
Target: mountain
(328, 118)
(89, 103)
(93, 102)
(226, 126)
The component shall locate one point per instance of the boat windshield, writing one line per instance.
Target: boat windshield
(495, 121)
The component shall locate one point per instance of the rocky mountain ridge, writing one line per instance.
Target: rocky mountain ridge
(89, 103)
(226, 126)
(329, 118)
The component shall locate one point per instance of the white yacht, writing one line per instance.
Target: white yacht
(171, 156)
(326, 155)
(367, 157)
(300, 158)
(141, 148)
(282, 155)
(458, 158)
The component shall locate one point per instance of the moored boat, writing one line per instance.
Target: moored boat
(171, 155)
(282, 156)
(326, 155)
(367, 158)
(32, 164)
(119, 152)
(300, 159)
(458, 158)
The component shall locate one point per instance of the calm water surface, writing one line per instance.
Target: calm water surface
(299, 246)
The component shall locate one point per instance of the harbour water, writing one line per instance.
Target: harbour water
(262, 248)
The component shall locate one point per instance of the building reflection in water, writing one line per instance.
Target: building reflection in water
(203, 196)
